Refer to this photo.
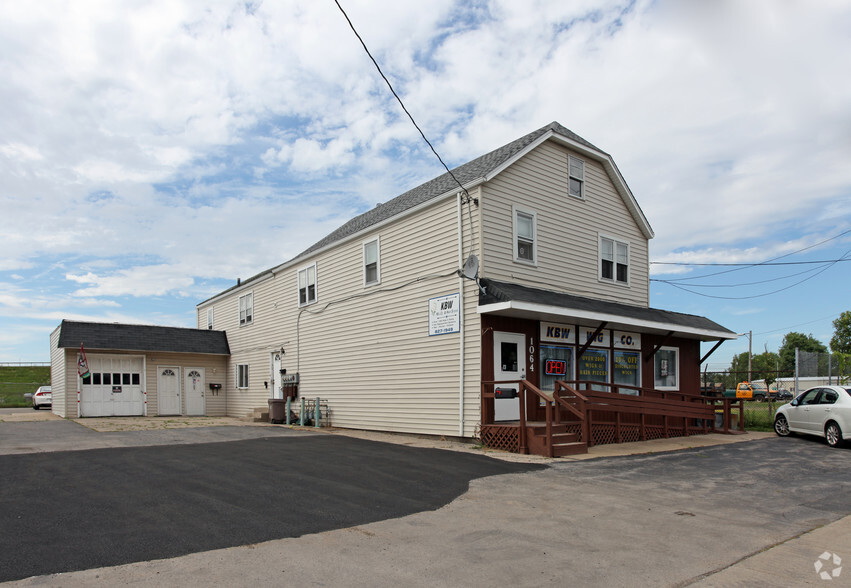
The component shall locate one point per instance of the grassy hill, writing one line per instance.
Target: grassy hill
(15, 381)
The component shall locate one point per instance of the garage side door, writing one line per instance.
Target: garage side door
(114, 387)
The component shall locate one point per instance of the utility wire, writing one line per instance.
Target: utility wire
(745, 266)
(402, 104)
(750, 264)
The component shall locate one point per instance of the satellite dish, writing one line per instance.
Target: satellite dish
(471, 267)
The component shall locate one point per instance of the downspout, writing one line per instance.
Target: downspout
(460, 322)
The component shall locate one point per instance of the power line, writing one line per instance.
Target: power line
(749, 264)
(402, 104)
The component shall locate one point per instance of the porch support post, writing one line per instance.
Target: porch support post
(710, 352)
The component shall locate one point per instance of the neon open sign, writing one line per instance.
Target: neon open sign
(556, 367)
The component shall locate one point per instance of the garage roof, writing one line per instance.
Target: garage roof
(509, 299)
(118, 337)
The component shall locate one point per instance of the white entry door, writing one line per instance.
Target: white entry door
(277, 386)
(168, 390)
(509, 363)
(194, 385)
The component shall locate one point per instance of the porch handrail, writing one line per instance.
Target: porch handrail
(581, 411)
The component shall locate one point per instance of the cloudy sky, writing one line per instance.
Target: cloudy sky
(152, 152)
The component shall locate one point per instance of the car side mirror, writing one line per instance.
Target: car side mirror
(794, 402)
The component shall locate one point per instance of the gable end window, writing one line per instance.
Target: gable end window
(209, 318)
(525, 229)
(576, 177)
(614, 260)
(307, 285)
(242, 375)
(246, 309)
(371, 263)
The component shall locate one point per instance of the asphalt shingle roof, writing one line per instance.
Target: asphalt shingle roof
(496, 291)
(465, 173)
(103, 336)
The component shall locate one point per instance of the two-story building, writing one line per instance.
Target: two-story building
(528, 262)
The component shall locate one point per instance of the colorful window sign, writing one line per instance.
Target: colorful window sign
(557, 333)
(625, 340)
(555, 367)
(601, 340)
(626, 370)
(594, 365)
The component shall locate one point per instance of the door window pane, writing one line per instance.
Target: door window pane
(508, 356)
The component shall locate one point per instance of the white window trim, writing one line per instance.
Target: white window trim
(315, 284)
(676, 386)
(582, 179)
(210, 318)
(377, 241)
(238, 382)
(515, 210)
(239, 309)
(613, 279)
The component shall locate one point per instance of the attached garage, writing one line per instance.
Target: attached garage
(138, 370)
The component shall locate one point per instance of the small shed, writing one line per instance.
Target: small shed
(111, 369)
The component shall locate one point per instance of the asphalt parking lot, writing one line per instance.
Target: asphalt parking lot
(311, 509)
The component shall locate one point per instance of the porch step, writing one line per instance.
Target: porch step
(570, 448)
(259, 415)
(564, 443)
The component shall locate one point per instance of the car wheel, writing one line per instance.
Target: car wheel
(35, 406)
(781, 426)
(833, 434)
(759, 398)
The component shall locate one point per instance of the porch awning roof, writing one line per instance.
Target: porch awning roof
(507, 299)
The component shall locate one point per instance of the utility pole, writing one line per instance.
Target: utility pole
(750, 357)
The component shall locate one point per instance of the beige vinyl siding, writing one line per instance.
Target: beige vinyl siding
(368, 353)
(567, 227)
(59, 387)
(215, 370)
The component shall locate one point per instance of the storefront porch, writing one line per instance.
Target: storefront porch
(578, 415)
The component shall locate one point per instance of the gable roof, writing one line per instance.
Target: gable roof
(114, 336)
(514, 299)
(472, 173)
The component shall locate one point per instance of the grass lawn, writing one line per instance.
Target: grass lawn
(15, 381)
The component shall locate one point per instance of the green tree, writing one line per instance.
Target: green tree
(763, 366)
(800, 341)
(841, 340)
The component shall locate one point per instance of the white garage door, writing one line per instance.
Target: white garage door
(114, 387)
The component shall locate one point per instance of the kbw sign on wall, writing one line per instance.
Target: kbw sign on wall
(444, 315)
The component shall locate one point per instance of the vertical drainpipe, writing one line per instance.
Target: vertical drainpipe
(461, 322)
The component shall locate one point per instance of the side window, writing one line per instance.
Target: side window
(809, 397)
(242, 375)
(828, 397)
(576, 177)
(525, 236)
(307, 285)
(209, 318)
(614, 260)
(371, 263)
(246, 309)
(666, 364)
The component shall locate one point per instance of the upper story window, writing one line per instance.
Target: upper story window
(307, 285)
(614, 260)
(525, 236)
(371, 262)
(246, 309)
(576, 177)
(210, 318)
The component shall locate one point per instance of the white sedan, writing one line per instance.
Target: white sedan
(824, 411)
(42, 397)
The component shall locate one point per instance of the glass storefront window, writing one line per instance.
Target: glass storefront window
(626, 370)
(666, 364)
(593, 366)
(556, 364)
